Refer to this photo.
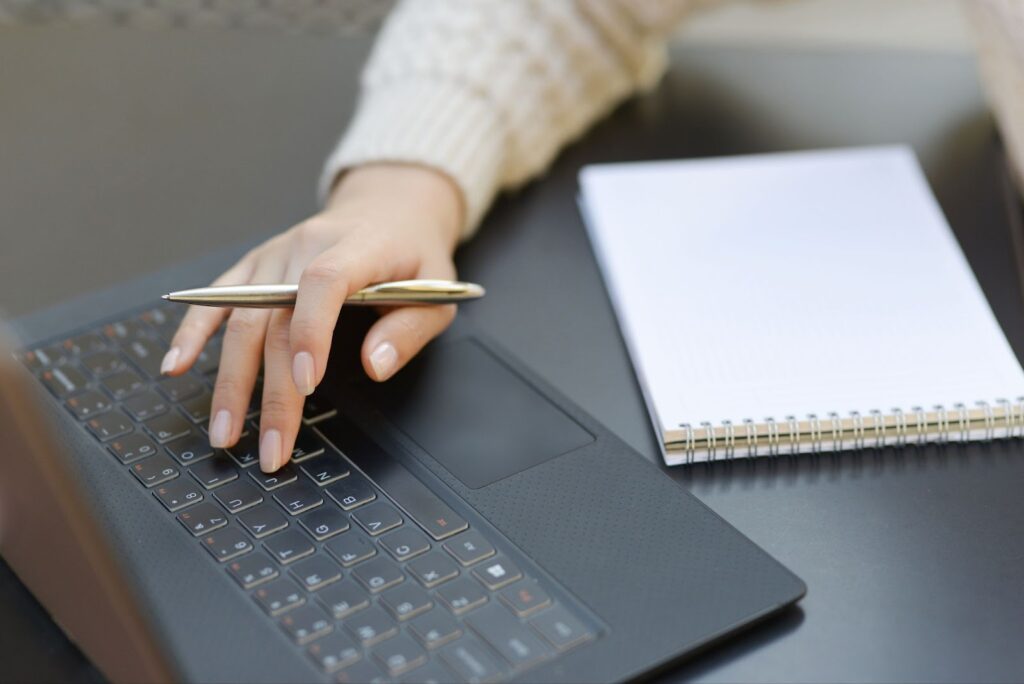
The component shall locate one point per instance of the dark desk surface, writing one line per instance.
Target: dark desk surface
(124, 151)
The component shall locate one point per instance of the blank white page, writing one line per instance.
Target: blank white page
(792, 284)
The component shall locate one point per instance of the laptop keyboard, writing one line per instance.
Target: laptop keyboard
(374, 577)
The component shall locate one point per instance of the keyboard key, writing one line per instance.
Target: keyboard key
(124, 384)
(252, 570)
(289, 546)
(352, 491)
(419, 502)
(316, 572)
(209, 359)
(178, 494)
(154, 470)
(561, 629)
(306, 623)
(431, 673)
(405, 543)
(145, 405)
(326, 468)
(125, 331)
(307, 445)
(162, 320)
(361, 672)
(371, 626)
(146, 354)
(399, 655)
(509, 637)
(263, 520)
(132, 447)
(525, 598)
(107, 426)
(214, 472)
(469, 547)
(190, 449)
(64, 381)
(324, 522)
(227, 543)
(279, 596)
(351, 548)
(298, 497)
(54, 355)
(334, 651)
(406, 601)
(168, 427)
(104, 363)
(198, 407)
(315, 409)
(471, 661)
(343, 599)
(271, 481)
(378, 518)
(181, 387)
(246, 451)
(238, 496)
(462, 595)
(433, 569)
(497, 573)
(378, 574)
(87, 404)
(435, 628)
(86, 343)
(203, 518)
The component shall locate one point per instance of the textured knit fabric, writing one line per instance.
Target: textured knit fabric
(488, 91)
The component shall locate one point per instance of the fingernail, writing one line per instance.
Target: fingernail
(220, 429)
(302, 373)
(270, 451)
(170, 360)
(384, 359)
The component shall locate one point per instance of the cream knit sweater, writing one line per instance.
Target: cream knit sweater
(488, 91)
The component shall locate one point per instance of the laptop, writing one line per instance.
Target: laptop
(461, 522)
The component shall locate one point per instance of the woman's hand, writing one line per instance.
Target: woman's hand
(383, 222)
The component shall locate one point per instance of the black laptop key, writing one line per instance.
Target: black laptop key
(253, 569)
(132, 447)
(168, 427)
(433, 569)
(406, 601)
(361, 672)
(279, 596)
(163, 321)
(214, 472)
(399, 655)
(405, 543)
(471, 660)
(316, 572)
(227, 543)
(146, 354)
(104, 363)
(371, 626)
(124, 384)
(351, 548)
(525, 598)
(125, 331)
(497, 573)
(209, 359)
(84, 344)
(334, 651)
(181, 387)
(462, 595)
(469, 547)
(352, 491)
(88, 403)
(431, 673)
(306, 623)
(270, 481)
(238, 496)
(343, 599)
(561, 629)
(508, 636)
(307, 445)
(429, 511)
(107, 426)
(298, 497)
(315, 409)
(203, 518)
(289, 546)
(435, 628)
(145, 405)
(64, 381)
(378, 518)
(326, 468)
(246, 450)
(178, 494)
(190, 449)
(263, 520)
(378, 574)
(197, 408)
(324, 522)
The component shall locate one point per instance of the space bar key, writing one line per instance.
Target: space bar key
(432, 514)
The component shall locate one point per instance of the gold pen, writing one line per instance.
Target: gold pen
(398, 293)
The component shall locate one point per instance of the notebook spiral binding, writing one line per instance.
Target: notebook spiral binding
(836, 432)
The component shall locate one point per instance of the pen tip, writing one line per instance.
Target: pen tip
(166, 296)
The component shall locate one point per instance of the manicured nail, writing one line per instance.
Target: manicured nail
(303, 373)
(384, 359)
(170, 360)
(270, 451)
(220, 429)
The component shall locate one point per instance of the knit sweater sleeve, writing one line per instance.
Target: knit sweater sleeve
(488, 91)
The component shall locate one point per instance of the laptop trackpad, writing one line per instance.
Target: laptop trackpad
(475, 415)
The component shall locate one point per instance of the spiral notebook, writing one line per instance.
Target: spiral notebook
(798, 302)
